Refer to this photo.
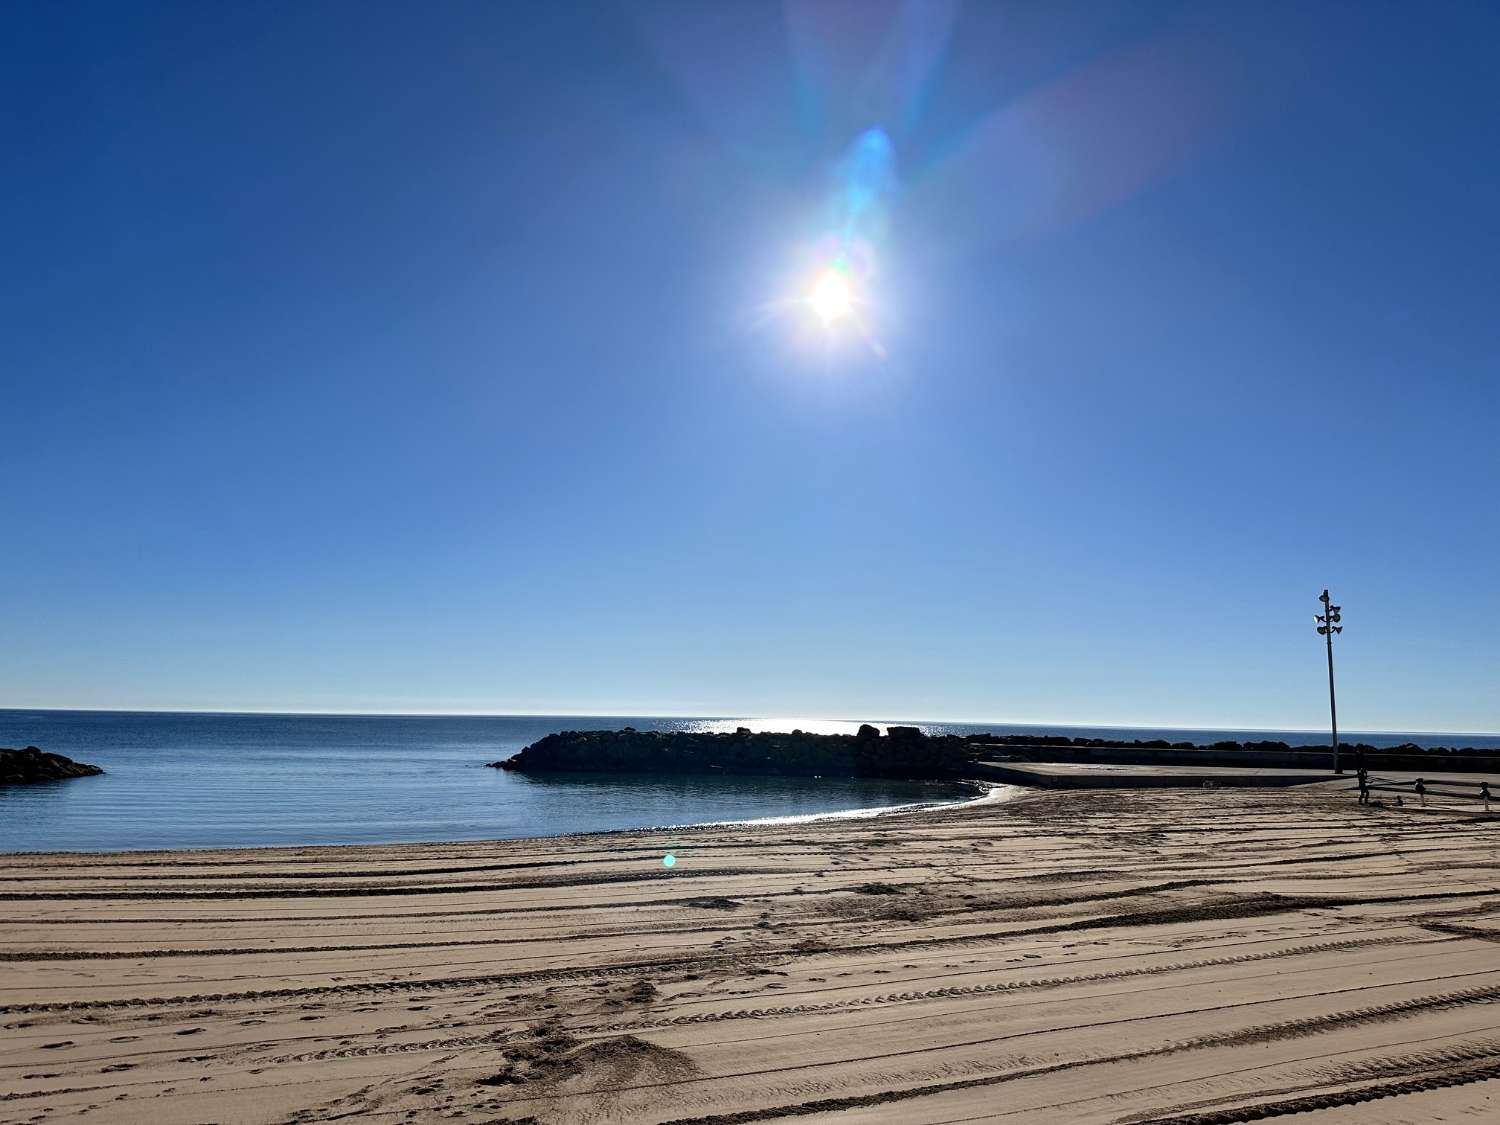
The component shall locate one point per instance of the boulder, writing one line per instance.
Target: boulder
(30, 765)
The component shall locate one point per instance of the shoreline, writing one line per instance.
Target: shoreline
(988, 793)
(908, 966)
(983, 792)
(194, 783)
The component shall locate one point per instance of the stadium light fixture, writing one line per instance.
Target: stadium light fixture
(1328, 625)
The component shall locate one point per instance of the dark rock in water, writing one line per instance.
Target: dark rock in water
(910, 753)
(22, 767)
(797, 755)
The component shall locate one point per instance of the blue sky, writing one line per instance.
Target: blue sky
(453, 357)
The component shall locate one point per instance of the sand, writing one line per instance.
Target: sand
(1165, 955)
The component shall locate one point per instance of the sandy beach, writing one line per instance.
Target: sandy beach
(1168, 955)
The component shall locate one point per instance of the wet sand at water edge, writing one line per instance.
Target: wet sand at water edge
(1064, 957)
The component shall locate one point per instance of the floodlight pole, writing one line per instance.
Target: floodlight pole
(1328, 627)
(1333, 708)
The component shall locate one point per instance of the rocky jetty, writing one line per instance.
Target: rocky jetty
(903, 752)
(906, 752)
(23, 767)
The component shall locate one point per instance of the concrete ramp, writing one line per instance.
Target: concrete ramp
(1096, 775)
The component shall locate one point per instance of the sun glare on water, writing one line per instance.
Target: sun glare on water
(831, 297)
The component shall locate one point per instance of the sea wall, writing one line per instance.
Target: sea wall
(24, 767)
(1261, 755)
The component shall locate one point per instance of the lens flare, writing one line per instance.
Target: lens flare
(834, 295)
(831, 298)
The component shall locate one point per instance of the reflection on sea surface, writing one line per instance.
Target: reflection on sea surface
(659, 800)
(198, 780)
(193, 781)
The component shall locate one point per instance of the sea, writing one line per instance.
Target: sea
(177, 780)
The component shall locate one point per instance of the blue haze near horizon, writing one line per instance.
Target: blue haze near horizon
(409, 358)
(203, 780)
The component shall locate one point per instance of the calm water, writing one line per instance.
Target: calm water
(196, 780)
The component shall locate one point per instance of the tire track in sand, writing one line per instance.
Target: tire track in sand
(623, 969)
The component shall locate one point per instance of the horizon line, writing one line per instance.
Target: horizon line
(711, 715)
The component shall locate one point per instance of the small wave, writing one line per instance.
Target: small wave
(990, 795)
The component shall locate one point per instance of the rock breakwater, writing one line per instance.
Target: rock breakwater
(903, 752)
(907, 752)
(28, 765)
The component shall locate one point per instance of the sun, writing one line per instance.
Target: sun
(831, 298)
